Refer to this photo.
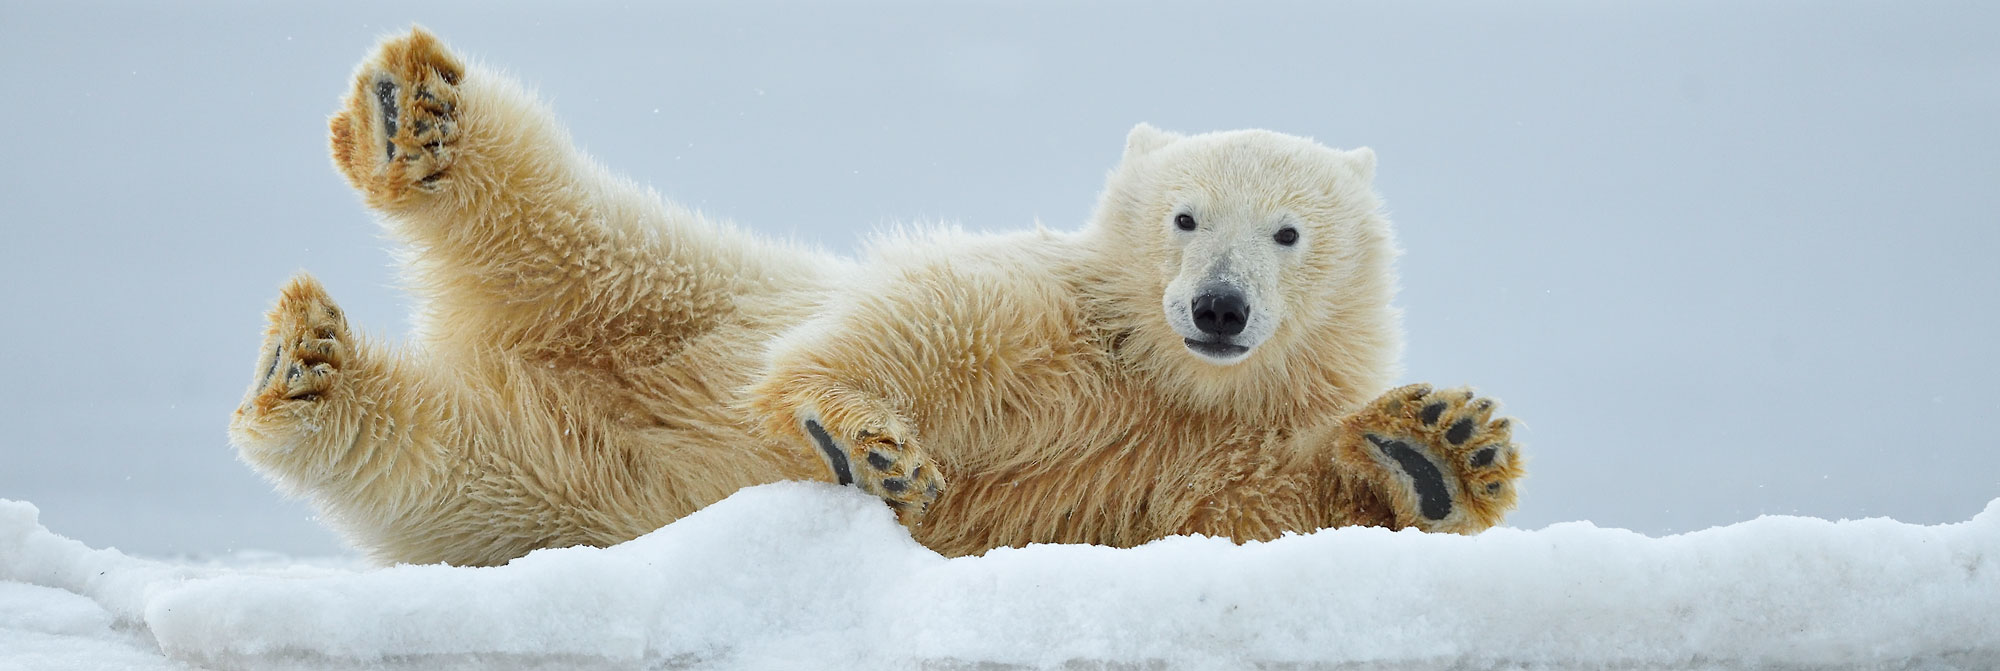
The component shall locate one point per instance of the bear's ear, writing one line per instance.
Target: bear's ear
(1364, 163)
(1144, 139)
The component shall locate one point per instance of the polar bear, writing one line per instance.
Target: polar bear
(1209, 354)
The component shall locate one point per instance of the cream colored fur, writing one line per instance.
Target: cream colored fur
(592, 363)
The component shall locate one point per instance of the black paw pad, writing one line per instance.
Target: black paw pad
(1433, 500)
(1459, 431)
(277, 352)
(834, 455)
(895, 485)
(879, 461)
(1484, 457)
(1432, 412)
(385, 101)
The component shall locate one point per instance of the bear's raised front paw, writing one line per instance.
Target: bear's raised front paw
(304, 348)
(1440, 457)
(396, 132)
(880, 463)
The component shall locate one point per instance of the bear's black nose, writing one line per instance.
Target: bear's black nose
(1221, 313)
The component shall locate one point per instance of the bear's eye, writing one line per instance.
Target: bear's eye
(1184, 222)
(1286, 236)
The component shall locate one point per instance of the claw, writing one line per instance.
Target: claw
(1404, 395)
(1482, 410)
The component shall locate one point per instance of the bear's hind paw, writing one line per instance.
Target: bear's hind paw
(304, 348)
(397, 131)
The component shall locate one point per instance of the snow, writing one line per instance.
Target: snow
(798, 575)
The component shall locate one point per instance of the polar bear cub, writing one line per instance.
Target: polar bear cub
(1210, 353)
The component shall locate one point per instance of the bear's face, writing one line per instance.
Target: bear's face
(1252, 246)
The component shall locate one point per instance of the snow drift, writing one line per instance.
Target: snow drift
(814, 576)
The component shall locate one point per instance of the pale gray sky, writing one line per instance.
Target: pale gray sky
(1724, 259)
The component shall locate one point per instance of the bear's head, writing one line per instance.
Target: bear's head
(1252, 269)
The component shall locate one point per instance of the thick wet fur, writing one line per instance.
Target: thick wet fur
(1208, 354)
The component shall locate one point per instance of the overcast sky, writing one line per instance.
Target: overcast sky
(1724, 259)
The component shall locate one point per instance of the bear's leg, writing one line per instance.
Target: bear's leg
(518, 241)
(1438, 459)
(328, 416)
(420, 459)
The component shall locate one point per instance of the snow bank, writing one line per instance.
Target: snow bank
(814, 576)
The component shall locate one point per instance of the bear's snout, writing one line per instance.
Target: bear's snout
(1220, 313)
